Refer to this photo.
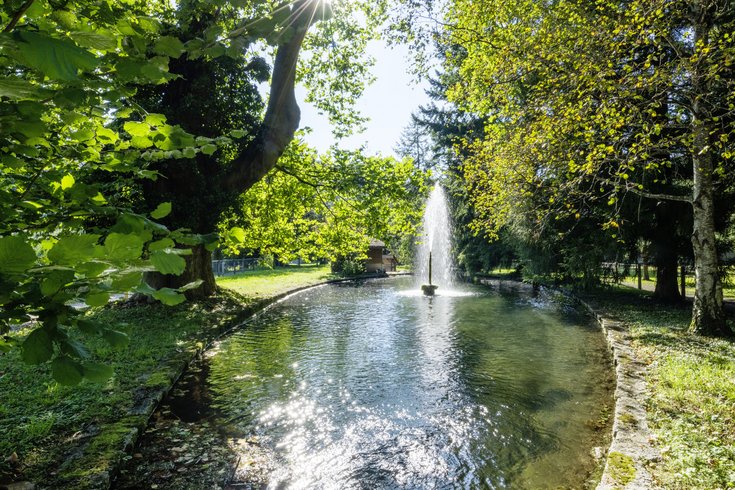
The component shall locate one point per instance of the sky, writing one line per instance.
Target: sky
(388, 103)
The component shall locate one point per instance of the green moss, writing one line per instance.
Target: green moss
(627, 419)
(159, 378)
(621, 467)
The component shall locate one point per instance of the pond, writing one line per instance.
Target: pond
(371, 385)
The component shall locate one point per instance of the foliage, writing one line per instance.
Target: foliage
(66, 75)
(81, 130)
(589, 104)
(43, 422)
(327, 206)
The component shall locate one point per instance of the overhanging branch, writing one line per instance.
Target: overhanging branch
(283, 115)
(661, 197)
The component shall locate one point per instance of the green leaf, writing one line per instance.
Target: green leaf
(169, 297)
(117, 340)
(237, 234)
(123, 247)
(96, 372)
(124, 282)
(57, 59)
(96, 299)
(56, 280)
(89, 327)
(209, 149)
(168, 263)
(189, 152)
(137, 128)
(163, 210)
(91, 269)
(37, 347)
(71, 250)
(74, 349)
(169, 46)
(17, 89)
(16, 255)
(67, 181)
(95, 40)
(107, 135)
(66, 371)
(191, 285)
(161, 244)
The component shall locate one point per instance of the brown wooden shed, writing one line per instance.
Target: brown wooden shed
(380, 259)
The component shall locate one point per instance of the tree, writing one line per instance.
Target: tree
(76, 145)
(63, 238)
(574, 93)
(414, 143)
(327, 206)
(244, 147)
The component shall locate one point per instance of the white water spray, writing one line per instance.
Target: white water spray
(437, 240)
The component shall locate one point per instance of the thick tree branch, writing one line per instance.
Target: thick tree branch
(283, 114)
(18, 15)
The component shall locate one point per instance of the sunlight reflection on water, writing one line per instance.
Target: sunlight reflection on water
(375, 386)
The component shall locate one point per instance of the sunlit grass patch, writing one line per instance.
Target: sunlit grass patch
(270, 282)
(691, 407)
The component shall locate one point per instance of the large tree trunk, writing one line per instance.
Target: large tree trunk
(276, 132)
(198, 267)
(667, 287)
(666, 253)
(708, 315)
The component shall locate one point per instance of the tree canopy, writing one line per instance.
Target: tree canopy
(88, 99)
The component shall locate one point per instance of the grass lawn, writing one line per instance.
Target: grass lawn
(691, 409)
(265, 283)
(43, 425)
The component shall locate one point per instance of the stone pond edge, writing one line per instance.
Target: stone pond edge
(118, 439)
(631, 451)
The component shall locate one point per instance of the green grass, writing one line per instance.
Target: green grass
(691, 407)
(728, 288)
(43, 423)
(265, 283)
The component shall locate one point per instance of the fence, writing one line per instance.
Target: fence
(618, 271)
(233, 266)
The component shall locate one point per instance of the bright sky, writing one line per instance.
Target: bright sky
(388, 103)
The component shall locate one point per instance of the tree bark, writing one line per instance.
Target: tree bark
(666, 256)
(708, 315)
(282, 115)
(667, 284)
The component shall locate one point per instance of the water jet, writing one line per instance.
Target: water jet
(434, 258)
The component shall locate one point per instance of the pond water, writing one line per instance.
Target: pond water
(369, 385)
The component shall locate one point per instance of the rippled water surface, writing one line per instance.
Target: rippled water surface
(369, 386)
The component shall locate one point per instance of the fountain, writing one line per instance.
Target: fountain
(435, 251)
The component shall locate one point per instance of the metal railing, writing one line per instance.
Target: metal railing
(233, 266)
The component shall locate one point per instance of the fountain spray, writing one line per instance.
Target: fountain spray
(434, 253)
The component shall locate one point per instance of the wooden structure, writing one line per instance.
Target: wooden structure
(380, 259)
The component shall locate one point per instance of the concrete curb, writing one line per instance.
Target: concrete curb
(632, 439)
(118, 439)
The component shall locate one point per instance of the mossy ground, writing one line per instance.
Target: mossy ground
(56, 435)
(691, 407)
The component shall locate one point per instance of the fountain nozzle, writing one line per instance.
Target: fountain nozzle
(429, 289)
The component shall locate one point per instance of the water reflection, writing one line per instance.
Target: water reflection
(360, 386)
